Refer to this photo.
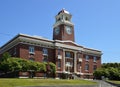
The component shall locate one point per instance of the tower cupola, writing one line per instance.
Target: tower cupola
(63, 29)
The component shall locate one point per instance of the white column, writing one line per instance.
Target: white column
(63, 60)
(80, 69)
(75, 62)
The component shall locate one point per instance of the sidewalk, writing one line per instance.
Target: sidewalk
(104, 84)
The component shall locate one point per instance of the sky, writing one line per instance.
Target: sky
(96, 22)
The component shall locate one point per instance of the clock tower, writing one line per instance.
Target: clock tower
(63, 28)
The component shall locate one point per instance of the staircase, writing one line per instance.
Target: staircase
(75, 76)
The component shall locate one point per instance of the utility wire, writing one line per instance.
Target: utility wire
(6, 34)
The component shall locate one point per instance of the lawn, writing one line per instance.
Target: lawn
(115, 82)
(42, 82)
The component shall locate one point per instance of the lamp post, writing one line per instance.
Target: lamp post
(31, 73)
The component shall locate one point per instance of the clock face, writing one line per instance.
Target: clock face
(57, 30)
(68, 29)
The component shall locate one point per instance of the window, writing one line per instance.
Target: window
(45, 51)
(59, 63)
(94, 59)
(58, 19)
(79, 56)
(66, 18)
(45, 58)
(69, 64)
(31, 59)
(87, 58)
(86, 67)
(59, 52)
(94, 67)
(67, 54)
(31, 49)
(15, 51)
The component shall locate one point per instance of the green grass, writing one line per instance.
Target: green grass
(113, 81)
(42, 82)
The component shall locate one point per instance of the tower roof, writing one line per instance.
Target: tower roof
(63, 11)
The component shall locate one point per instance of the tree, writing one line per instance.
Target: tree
(40, 67)
(114, 73)
(5, 56)
(101, 72)
(18, 64)
(10, 65)
(53, 67)
(109, 70)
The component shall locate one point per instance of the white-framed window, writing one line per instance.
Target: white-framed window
(45, 51)
(31, 59)
(59, 51)
(15, 51)
(45, 58)
(67, 54)
(86, 67)
(87, 58)
(31, 49)
(59, 63)
(94, 67)
(69, 64)
(94, 59)
(79, 55)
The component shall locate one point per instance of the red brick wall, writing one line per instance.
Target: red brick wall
(63, 35)
(38, 56)
(91, 63)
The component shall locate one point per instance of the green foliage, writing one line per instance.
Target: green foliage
(50, 67)
(101, 72)
(40, 66)
(108, 70)
(114, 73)
(5, 56)
(19, 64)
(37, 66)
(10, 65)
(107, 65)
(53, 67)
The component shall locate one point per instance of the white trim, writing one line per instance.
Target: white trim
(68, 46)
(38, 41)
(63, 22)
(67, 41)
(34, 36)
(9, 46)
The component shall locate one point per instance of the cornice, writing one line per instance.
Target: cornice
(9, 45)
(37, 41)
(63, 22)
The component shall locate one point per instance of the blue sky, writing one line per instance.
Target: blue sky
(96, 22)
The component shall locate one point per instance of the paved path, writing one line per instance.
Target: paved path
(105, 84)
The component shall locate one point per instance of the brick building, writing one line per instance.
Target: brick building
(70, 58)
